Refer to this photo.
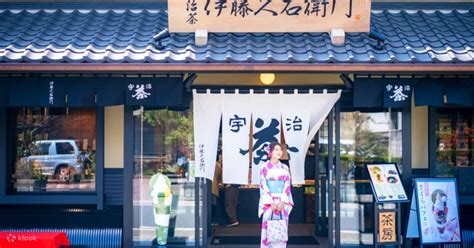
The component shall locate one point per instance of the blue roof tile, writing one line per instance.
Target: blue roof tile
(126, 35)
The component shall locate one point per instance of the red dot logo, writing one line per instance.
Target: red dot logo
(11, 238)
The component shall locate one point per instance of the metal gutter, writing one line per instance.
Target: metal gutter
(235, 67)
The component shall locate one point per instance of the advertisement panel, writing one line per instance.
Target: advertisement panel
(438, 210)
(386, 183)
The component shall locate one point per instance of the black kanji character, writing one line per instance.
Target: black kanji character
(296, 124)
(192, 18)
(191, 7)
(241, 9)
(387, 234)
(206, 7)
(237, 122)
(220, 6)
(350, 9)
(295, 10)
(325, 5)
(387, 220)
(263, 8)
(312, 7)
(263, 138)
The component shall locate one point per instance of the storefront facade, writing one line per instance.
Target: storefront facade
(92, 105)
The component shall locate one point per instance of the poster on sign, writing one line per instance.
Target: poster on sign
(386, 183)
(438, 210)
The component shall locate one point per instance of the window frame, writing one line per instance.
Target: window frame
(432, 143)
(51, 198)
(433, 118)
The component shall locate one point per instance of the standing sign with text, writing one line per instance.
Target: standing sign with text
(386, 183)
(387, 227)
(438, 210)
(268, 15)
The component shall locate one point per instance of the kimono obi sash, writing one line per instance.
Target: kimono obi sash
(276, 186)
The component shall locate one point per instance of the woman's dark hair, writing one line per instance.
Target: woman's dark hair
(435, 193)
(273, 145)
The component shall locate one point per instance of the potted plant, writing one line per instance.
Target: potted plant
(39, 180)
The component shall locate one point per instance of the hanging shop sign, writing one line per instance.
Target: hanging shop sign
(387, 227)
(236, 122)
(434, 215)
(383, 92)
(266, 129)
(269, 15)
(207, 114)
(386, 183)
(249, 123)
(397, 95)
(91, 91)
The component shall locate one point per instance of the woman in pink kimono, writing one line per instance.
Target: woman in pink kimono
(275, 193)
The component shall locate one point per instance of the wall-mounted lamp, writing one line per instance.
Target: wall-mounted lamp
(267, 78)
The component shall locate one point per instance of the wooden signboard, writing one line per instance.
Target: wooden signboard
(250, 16)
(387, 227)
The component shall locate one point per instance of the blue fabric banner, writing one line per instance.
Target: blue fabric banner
(153, 92)
(383, 92)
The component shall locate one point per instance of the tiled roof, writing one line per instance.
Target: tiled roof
(126, 36)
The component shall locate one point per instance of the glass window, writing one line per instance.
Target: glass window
(163, 146)
(41, 149)
(64, 148)
(365, 138)
(454, 140)
(55, 150)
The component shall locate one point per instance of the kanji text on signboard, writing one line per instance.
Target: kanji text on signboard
(269, 15)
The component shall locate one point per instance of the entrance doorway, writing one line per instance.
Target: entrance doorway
(163, 210)
(162, 143)
(310, 221)
(189, 215)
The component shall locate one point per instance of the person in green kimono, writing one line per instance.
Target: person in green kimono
(160, 186)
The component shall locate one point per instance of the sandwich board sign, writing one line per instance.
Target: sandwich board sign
(434, 212)
(252, 16)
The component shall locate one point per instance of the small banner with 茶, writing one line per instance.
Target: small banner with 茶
(387, 227)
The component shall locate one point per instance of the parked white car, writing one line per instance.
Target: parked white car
(58, 158)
